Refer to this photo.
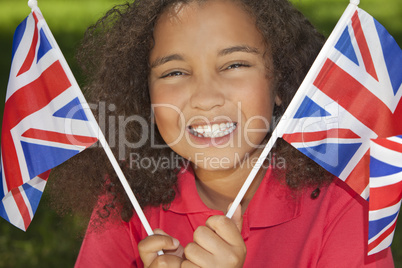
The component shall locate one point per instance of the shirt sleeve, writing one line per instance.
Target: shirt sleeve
(108, 242)
(107, 246)
(345, 239)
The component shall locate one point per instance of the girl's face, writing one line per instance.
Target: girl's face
(209, 83)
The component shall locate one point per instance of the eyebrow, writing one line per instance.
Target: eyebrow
(223, 52)
(165, 59)
(234, 49)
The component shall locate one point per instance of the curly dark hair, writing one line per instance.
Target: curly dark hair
(114, 58)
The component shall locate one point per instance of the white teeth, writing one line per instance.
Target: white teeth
(200, 129)
(213, 131)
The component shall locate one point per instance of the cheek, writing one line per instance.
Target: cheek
(258, 123)
(164, 104)
(172, 96)
(169, 121)
(257, 109)
(167, 114)
(257, 100)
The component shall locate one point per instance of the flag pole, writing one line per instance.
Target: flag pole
(278, 131)
(33, 4)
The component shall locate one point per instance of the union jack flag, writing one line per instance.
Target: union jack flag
(352, 98)
(46, 119)
(385, 191)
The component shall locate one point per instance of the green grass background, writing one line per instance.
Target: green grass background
(54, 241)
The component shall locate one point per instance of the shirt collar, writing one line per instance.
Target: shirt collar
(187, 199)
(272, 204)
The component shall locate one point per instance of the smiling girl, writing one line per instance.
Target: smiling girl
(212, 76)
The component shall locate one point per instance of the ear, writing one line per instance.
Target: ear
(278, 100)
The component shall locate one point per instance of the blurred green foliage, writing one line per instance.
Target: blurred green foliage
(54, 241)
(50, 241)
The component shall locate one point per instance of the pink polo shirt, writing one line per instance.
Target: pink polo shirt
(279, 229)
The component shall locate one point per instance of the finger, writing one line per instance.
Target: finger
(166, 261)
(226, 229)
(149, 246)
(179, 251)
(237, 217)
(198, 256)
(210, 250)
(188, 264)
(208, 247)
(160, 232)
(207, 239)
(162, 240)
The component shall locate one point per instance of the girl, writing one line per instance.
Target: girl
(217, 74)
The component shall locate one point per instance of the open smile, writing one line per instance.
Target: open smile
(213, 130)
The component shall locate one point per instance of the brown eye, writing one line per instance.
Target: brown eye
(172, 74)
(237, 65)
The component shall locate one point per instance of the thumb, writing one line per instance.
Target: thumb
(178, 249)
(237, 217)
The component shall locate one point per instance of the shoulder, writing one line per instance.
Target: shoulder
(345, 229)
(336, 196)
(333, 204)
(106, 243)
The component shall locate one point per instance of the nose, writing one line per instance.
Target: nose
(206, 94)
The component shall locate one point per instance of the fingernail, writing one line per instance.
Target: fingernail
(176, 242)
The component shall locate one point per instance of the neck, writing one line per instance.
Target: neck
(218, 188)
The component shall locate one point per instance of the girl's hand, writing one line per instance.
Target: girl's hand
(217, 244)
(149, 247)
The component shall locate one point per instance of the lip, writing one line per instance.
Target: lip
(210, 141)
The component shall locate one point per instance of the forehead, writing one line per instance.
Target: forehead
(209, 22)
